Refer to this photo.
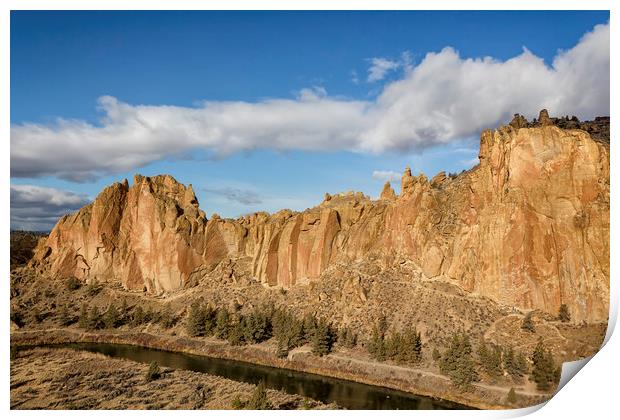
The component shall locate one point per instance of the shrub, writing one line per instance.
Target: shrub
(153, 372)
(138, 317)
(237, 404)
(72, 284)
(511, 398)
(259, 400)
(563, 314)
(528, 324)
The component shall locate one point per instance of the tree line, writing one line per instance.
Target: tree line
(463, 366)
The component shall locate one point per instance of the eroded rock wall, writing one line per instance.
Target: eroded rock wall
(527, 227)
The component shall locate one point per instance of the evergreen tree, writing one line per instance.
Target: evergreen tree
(457, 363)
(196, 320)
(236, 335)
(436, 355)
(64, 318)
(111, 317)
(528, 324)
(544, 371)
(411, 348)
(323, 339)
(222, 323)
(563, 314)
(309, 326)
(511, 398)
(94, 319)
(84, 321)
(138, 316)
(346, 337)
(210, 320)
(490, 359)
(376, 345)
(514, 363)
(257, 327)
(259, 400)
(167, 319)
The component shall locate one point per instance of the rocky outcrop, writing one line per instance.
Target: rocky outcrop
(527, 227)
(150, 236)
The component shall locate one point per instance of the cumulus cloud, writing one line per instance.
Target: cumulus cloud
(442, 98)
(386, 176)
(39, 208)
(380, 67)
(242, 196)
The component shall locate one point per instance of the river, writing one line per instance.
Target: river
(348, 394)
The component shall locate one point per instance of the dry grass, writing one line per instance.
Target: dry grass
(67, 379)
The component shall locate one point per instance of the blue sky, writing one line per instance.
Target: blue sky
(269, 110)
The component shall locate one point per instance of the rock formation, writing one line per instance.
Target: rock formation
(527, 227)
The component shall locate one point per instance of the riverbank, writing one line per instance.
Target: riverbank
(336, 365)
(45, 378)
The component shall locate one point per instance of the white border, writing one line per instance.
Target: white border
(592, 395)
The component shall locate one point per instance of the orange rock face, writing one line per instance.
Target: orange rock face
(527, 227)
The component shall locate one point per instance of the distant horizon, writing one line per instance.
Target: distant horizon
(258, 121)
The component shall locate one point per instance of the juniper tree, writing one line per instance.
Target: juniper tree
(83, 321)
(166, 318)
(111, 317)
(222, 323)
(94, 319)
(196, 320)
(310, 322)
(490, 359)
(457, 363)
(236, 336)
(64, 318)
(138, 316)
(544, 371)
(323, 338)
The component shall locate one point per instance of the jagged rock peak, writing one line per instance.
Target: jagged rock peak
(388, 192)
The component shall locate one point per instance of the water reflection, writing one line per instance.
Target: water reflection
(351, 395)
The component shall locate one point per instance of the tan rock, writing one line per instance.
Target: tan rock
(528, 227)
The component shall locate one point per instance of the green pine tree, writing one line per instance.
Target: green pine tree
(322, 340)
(457, 363)
(222, 324)
(111, 317)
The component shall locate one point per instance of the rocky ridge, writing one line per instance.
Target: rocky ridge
(528, 227)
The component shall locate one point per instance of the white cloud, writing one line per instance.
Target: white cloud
(386, 175)
(380, 67)
(443, 98)
(38, 208)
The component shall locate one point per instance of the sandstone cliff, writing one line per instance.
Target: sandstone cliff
(527, 227)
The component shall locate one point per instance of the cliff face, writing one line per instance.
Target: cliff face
(527, 227)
